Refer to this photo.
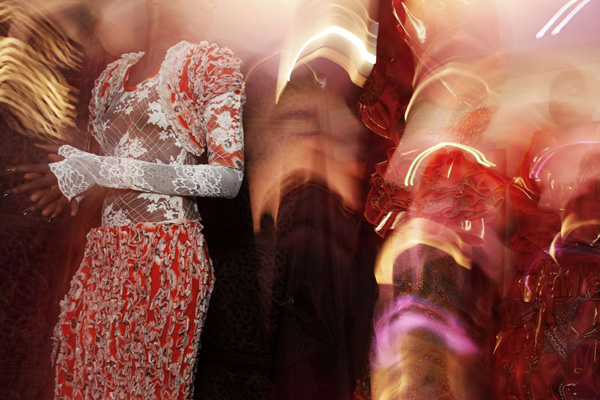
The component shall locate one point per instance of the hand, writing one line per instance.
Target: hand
(43, 186)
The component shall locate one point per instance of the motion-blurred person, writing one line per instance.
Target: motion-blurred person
(437, 201)
(548, 345)
(306, 171)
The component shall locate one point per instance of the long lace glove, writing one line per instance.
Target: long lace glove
(80, 170)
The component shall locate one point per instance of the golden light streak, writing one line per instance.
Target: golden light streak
(412, 170)
(439, 78)
(569, 225)
(520, 184)
(35, 98)
(338, 30)
(417, 23)
(384, 221)
(26, 24)
(555, 17)
(420, 231)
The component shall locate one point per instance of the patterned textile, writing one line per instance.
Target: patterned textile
(548, 343)
(130, 325)
(452, 189)
(147, 147)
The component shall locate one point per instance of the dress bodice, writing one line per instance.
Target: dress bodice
(151, 137)
(135, 126)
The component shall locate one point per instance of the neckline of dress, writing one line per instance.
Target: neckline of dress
(134, 58)
(141, 83)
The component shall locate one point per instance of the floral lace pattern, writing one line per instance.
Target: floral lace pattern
(150, 137)
(127, 173)
(130, 325)
(71, 181)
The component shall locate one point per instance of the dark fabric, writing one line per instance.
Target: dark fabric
(328, 297)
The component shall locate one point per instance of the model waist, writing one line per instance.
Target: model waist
(128, 207)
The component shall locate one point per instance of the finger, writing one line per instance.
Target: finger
(51, 208)
(50, 148)
(60, 206)
(23, 169)
(38, 195)
(34, 185)
(27, 211)
(55, 158)
(33, 175)
(74, 207)
(49, 197)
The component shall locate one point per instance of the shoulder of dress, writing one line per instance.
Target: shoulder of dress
(129, 58)
(192, 68)
(123, 61)
(209, 48)
(115, 67)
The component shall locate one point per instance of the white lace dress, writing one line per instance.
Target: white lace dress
(130, 325)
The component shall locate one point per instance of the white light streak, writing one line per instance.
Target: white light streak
(336, 30)
(569, 17)
(558, 14)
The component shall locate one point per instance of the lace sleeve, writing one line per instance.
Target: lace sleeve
(216, 86)
(80, 171)
(225, 135)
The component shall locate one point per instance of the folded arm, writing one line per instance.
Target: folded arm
(80, 170)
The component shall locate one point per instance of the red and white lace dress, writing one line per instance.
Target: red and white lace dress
(130, 325)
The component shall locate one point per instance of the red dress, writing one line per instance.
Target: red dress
(130, 325)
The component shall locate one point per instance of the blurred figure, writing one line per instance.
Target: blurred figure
(306, 171)
(548, 345)
(544, 182)
(438, 200)
(46, 84)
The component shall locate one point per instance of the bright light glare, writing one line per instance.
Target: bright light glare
(558, 14)
(569, 17)
(336, 30)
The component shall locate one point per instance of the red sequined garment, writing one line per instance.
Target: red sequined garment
(549, 341)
